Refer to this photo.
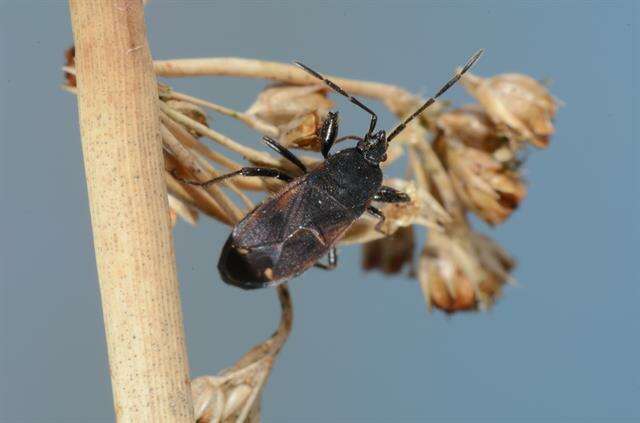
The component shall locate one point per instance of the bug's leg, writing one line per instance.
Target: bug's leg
(245, 171)
(285, 152)
(390, 195)
(332, 260)
(328, 133)
(339, 90)
(377, 213)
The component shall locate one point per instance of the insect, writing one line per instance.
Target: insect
(292, 231)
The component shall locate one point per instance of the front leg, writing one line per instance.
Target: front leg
(328, 133)
(387, 194)
(377, 213)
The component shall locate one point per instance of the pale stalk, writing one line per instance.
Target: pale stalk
(397, 99)
(117, 102)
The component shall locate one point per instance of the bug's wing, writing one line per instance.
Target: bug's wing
(317, 224)
(294, 229)
(268, 222)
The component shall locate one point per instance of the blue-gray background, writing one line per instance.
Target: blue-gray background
(562, 346)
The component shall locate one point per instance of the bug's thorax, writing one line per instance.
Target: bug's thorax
(350, 178)
(374, 147)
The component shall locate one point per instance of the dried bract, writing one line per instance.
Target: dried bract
(485, 186)
(390, 254)
(462, 271)
(472, 126)
(518, 104)
(423, 210)
(301, 132)
(281, 104)
(297, 111)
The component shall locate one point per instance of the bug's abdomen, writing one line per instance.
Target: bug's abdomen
(267, 248)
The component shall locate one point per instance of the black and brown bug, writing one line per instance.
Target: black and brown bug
(291, 231)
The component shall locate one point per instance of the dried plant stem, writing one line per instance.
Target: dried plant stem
(253, 123)
(184, 156)
(189, 141)
(290, 74)
(254, 156)
(212, 394)
(119, 123)
(249, 153)
(440, 178)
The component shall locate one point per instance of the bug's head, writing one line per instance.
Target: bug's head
(374, 147)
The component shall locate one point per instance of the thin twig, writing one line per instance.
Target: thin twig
(252, 122)
(274, 71)
(189, 141)
(194, 166)
(248, 153)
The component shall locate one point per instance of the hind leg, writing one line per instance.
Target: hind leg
(265, 172)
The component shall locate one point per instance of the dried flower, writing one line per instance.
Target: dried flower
(281, 104)
(297, 111)
(462, 271)
(301, 132)
(517, 103)
(472, 126)
(484, 185)
(390, 254)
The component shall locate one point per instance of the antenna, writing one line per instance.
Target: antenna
(339, 90)
(432, 100)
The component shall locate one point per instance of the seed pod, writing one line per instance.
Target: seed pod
(472, 126)
(301, 132)
(297, 112)
(485, 185)
(462, 273)
(390, 254)
(518, 104)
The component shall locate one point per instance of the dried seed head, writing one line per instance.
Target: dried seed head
(282, 103)
(472, 126)
(297, 111)
(301, 132)
(423, 209)
(390, 254)
(459, 273)
(485, 185)
(443, 283)
(518, 104)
